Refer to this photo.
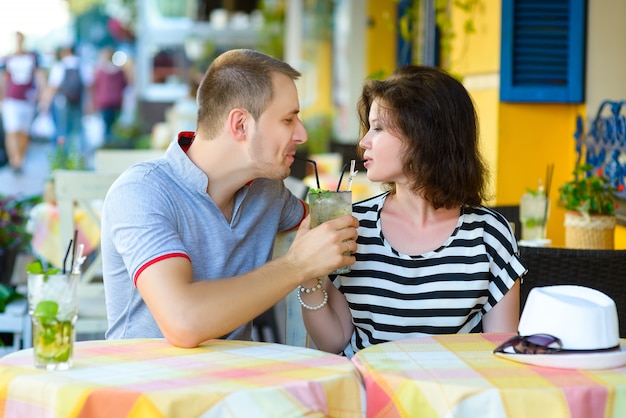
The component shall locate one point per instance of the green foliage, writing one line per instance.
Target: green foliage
(319, 131)
(65, 158)
(8, 295)
(380, 74)
(273, 31)
(128, 136)
(590, 193)
(14, 214)
(409, 26)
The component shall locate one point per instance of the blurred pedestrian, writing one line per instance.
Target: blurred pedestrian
(69, 87)
(21, 81)
(109, 83)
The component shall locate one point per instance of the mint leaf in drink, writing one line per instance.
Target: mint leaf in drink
(36, 267)
(46, 310)
(323, 192)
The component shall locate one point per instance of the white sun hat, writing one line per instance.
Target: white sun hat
(583, 319)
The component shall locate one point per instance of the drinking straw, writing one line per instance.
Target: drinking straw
(66, 254)
(80, 259)
(352, 174)
(74, 248)
(341, 176)
(350, 177)
(548, 182)
(317, 177)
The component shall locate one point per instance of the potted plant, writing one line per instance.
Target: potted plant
(14, 237)
(590, 202)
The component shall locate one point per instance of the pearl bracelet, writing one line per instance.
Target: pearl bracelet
(313, 308)
(311, 289)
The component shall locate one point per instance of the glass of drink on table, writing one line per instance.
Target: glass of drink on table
(325, 205)
(533, 215)
(53, 308)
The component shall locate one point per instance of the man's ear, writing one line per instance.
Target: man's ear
(238, 123)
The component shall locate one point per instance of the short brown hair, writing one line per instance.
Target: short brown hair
(434, 116)
(237, 78)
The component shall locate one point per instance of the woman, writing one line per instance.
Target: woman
(430, 259)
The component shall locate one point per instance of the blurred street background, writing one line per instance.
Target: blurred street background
(46, 24)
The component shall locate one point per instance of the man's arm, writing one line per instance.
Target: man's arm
(189, 312)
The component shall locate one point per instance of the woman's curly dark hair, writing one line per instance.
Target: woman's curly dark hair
(435, 117)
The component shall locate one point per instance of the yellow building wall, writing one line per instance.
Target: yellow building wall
(472, 57)
(315, 87)
(478, 52)
(532, 136)
(381, 37)
(518, 141)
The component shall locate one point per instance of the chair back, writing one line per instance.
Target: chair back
(293, 324)
(511, 213)
(78, 189)
(118, 160)
(604, 270)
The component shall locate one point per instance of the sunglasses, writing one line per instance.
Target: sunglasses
(531, 344)
(541, 344)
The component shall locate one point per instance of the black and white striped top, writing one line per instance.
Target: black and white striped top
(394, 296)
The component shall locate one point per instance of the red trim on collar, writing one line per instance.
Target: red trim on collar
(156, 260)
(185, 138)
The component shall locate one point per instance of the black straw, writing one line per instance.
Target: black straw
(341, 176)
(66, 254)
(317, 177)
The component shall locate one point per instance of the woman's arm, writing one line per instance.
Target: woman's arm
(330, 327)
(504, 317)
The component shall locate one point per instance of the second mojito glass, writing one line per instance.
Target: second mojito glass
(533, 215)
(327, 205)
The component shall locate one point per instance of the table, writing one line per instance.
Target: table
(151, 378)
(458, 376)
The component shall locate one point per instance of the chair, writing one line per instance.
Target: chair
(511, 213)
(603, 270)
(84, 189)
(294, 330)
(265, 327)
(15, 320)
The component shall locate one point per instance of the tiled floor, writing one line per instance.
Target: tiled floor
(35, 171)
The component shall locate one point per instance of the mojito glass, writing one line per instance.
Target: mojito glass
(533, 215)
(53, 308)
(327, 205)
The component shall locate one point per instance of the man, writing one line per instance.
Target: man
(186, 239)
(21, 80)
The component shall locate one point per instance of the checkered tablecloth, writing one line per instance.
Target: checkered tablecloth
(151, 378)
(458, 376)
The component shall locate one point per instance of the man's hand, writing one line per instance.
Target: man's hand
(318, 251)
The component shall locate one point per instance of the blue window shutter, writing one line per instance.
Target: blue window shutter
(543, 51)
